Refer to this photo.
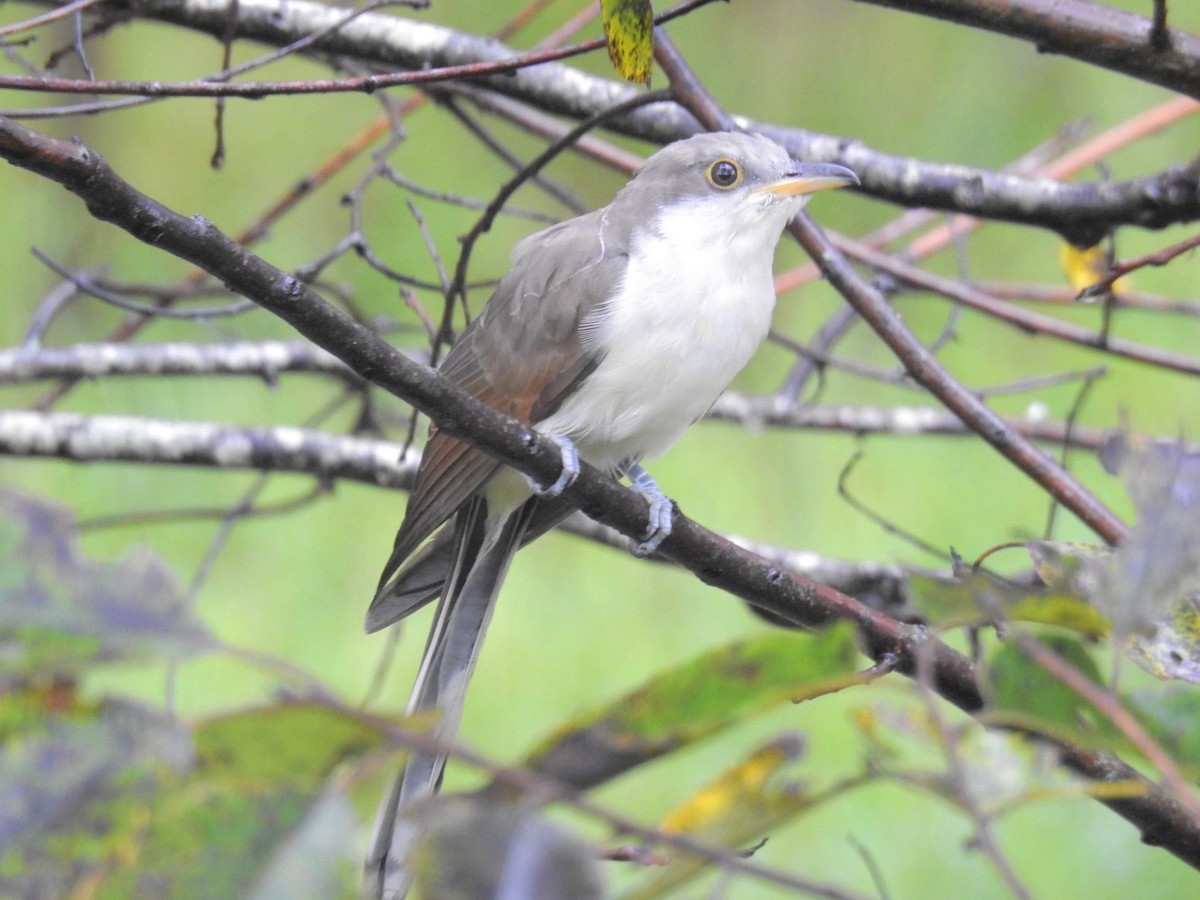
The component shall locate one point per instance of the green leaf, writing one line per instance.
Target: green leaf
(104, 798)
(76, 786)
(979, 599)
(316, 859)
(1022, 693)
(296, 743)
(629, 28)
(685, 704)
(1171, 715)
(260, 788)
(61, 612)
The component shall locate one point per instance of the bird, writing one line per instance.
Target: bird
(611, 333)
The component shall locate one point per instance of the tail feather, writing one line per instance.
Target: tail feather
(482, 551)
(422, 577)
(420, 581)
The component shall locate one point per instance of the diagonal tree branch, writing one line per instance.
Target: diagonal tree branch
(920, 362)
(1155, 806)
(715, 560)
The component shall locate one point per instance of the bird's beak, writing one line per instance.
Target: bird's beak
(808, 178)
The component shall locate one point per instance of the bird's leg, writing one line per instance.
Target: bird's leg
(661, 511)
(570, 469)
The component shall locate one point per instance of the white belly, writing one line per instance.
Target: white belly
(674, 336)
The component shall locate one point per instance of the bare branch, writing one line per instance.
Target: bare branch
(1083, 212)
(1094, 33)
(81, 438)
(1030, 322)
(899, 421)
(259, 359)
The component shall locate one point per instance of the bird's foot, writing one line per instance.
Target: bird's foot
(661, 512)
(570, 470)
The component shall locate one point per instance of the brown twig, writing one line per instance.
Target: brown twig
(1124, 267)
(55, 15)
(1026, 320)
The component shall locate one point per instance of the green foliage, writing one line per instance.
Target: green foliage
(680, 706)
(60, 612)
(124, 798)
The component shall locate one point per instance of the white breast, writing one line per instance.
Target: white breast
(695, 303)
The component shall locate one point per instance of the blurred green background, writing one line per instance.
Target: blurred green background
(578, 624)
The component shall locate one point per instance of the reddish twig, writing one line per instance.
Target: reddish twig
(55, 15)
(1124, 267)
(1026, 320)
(1112, 709)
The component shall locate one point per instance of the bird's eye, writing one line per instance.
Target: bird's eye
(724, 174)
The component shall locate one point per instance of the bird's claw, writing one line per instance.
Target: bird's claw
(570, 470)
(661, 515)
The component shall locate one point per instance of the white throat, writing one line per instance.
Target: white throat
(694, 305)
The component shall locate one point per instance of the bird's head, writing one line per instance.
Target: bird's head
(740, 177)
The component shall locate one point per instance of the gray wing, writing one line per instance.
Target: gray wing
(523, 356)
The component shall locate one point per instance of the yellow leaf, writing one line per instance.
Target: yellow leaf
(733, 788)
(1084, 266)
(629, 28)
(744, 803)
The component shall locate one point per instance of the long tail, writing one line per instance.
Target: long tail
(483, 550)
(423, 576)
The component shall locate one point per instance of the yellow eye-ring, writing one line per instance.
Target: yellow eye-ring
(724, 174)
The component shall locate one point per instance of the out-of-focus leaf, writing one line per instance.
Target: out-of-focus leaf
(994, 769)
(1173, 650)
(740, 807)
(720, 799)
(1000, 769)
(675, 708)
(629, 29)
(1062, 565)
(1171, 714)
(473, 848)
(1170, 649)
(61, 612)
(76, 786)
(315, 860)
(1063, 610)
(978, 599)
(259, 790)
(1157, 565)
(1022, 693)
(1084, 266)
(294, 742)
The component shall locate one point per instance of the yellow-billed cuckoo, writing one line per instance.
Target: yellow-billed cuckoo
(612, 333)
